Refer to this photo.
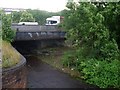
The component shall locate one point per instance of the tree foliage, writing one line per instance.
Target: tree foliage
(7, 33)
(111, 13)
(40, 16)
(26, 17)
(16, 17)
(34, 15)
(88, 29)
(0, 24)
(112, 19)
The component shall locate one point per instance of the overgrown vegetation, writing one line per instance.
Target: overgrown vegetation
(10, 56)
(53, 57)
(7, 33)
(0, 29)
(97, 56)
(26, 17)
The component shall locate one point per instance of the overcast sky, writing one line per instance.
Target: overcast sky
(48, 5)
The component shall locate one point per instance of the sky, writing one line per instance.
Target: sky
(48, 5)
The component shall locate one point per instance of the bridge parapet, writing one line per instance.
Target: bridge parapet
(34, 28)
(40, 35)
(36, 32)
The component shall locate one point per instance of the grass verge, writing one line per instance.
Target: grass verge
(10, 57)
(54, 58)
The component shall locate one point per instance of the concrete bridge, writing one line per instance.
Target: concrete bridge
(36, 32)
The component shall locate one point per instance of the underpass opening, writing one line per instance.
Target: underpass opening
(41, 74)
(32, 46)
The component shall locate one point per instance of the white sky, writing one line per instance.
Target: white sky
(48, 5)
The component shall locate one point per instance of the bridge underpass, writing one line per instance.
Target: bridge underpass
(32, 45)
(40, 74)
(36, 37)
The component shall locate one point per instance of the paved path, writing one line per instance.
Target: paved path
(42, 75)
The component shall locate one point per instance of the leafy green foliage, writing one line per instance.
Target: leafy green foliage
(97, 54)
(40, 16)
(110, 51)
(111, 13)
(16, 17)
(26, 17)
(36, 15)
(0, 25)
(84, 26)
(7, 33)
(112, 19)
(102, 73)
(69, 59)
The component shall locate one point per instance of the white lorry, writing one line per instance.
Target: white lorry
(54, 20)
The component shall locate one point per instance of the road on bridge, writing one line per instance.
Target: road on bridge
(42, 75)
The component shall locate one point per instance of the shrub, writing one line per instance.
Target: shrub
(68, 59)
(110, 50)
(10, 57)
(101, 73)
(26, 17)
(7, 33)
(97, 54)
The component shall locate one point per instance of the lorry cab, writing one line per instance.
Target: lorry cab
(54, 20)
(51, 21)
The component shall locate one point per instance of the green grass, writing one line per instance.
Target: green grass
(55, 59)
(10, 57)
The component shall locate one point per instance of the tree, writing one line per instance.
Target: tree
(112, 20)
(97, 55)
(85, 28)
(26, 17)
(40, 15)
(111, 13)
(0, 24)
(16, 17)
(33, 15)
(7, 33)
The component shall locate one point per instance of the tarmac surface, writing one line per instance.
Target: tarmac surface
(42, 75)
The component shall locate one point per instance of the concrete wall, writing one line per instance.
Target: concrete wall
(36, 32)
(34, 28)
(41, 35)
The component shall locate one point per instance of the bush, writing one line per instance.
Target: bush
(110, 51)
(72, 59)
(68, 59)
(26, 17)
(101, 73)
(7, 33)
(97, 53)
